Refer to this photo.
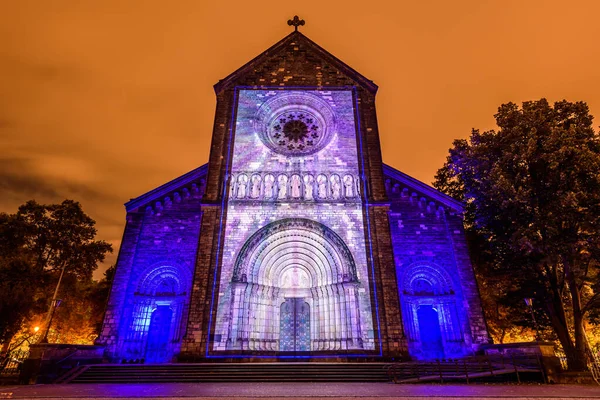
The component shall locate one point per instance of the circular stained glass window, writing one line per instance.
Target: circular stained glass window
(295, 124)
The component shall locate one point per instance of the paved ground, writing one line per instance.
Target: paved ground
(311, 391)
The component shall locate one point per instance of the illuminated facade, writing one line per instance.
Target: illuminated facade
(295, 240)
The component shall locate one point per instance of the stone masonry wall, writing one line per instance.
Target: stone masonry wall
(426, 234)
(163, 234)
(295, 62)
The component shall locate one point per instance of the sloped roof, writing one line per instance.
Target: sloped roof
(168, 187)
(423, 188)
(279, 47)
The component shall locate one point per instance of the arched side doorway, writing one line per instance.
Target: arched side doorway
(295, 289)
(154, 330)
(431, 313)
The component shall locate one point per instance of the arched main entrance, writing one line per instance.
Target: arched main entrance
(294, 289)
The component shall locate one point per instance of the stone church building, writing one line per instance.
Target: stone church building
(295, 240)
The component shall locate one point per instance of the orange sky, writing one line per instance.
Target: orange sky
(102, 101)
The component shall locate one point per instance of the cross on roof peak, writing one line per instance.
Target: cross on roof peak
(296, 22)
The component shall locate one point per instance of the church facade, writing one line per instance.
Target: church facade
(294, 240)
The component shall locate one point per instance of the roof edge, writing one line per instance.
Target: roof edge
(166, 188)
(424, 188)
(361, 79)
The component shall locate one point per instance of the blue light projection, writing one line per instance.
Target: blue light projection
(153, 327)
(432, 312)
(294, 229)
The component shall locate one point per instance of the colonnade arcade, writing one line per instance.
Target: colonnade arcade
(294, 288)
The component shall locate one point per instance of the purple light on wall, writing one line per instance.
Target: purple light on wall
(273, 177)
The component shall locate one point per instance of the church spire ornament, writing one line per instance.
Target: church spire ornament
(296, 22)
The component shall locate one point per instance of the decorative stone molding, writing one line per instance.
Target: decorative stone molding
(275, 186)
(338, 255)
(397, 191)
(191, 190)
(295, 124)
(298, 259)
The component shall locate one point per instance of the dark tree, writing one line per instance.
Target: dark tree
(18, 300)
(38, 245)
(533, 194)
(61, 236)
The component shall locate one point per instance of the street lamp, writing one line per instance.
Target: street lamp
(55, 305)
(25, 339)
(529, 302)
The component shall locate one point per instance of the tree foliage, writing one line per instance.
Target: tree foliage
(532, 190)
(61, 236)
(36, 244)
(17, 299)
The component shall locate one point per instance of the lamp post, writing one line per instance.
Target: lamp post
(529, 302)
(55, 304)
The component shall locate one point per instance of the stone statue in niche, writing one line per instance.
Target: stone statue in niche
(388, 184)
(269, 181)
(255, 190)
(322, 186)
(242, 180)
(282, 186)
(348, 186)
(336, 187)
(232, 182)
(308, 187)
(296, 186)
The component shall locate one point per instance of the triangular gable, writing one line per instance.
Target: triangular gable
(297, 38)
(422, 188)
(161, 191)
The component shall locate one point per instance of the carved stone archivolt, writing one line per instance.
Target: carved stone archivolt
(269, 186)
(336, 256)
(429, 287)
(294, 258)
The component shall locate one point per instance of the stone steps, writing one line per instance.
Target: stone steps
(219, 372)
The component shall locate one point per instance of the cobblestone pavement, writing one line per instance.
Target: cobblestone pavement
(312, 391)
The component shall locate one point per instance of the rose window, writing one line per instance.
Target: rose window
(295, 131)
(295, 124)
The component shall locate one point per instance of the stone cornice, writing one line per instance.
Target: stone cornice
(423, 188)
(167, 188)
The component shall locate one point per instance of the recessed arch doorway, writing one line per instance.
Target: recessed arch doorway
(432, 313)
(295, 289)
(154, 319)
